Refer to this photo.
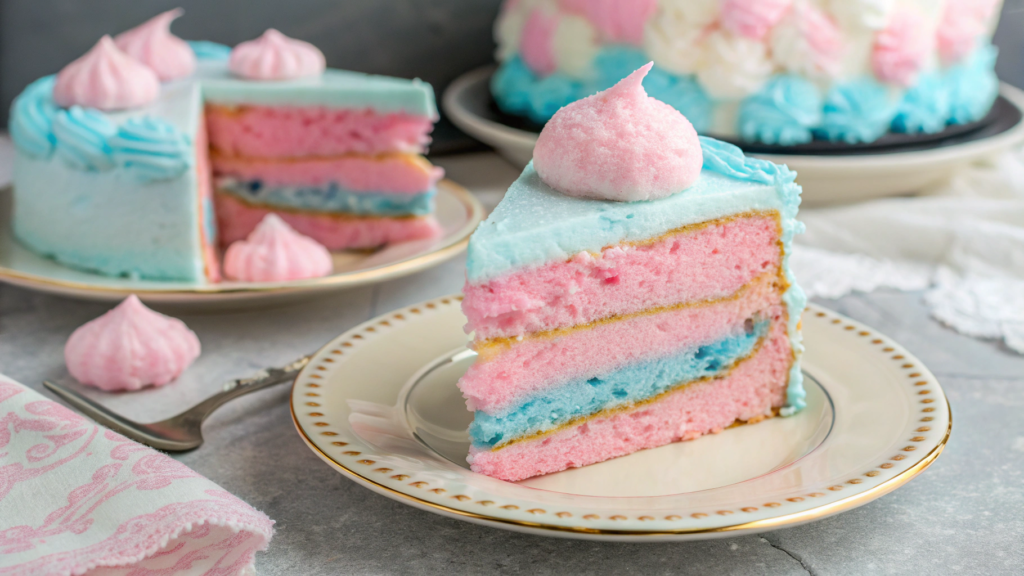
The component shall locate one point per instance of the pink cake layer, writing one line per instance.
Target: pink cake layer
(237, 219)
(396, 173)
(288, 131)
(703, 263)
(506, 374)
(750, 390)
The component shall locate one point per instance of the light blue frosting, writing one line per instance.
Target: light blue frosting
(206, 50)
(150, 149)
(331, 198)
(627, 385)
(518, 91)
(535, 224)
(924, 108)
(31, 122)
(972, 86)
(857, 111)
(783, 112)
(83, 136)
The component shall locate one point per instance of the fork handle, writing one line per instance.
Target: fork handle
(235, 388)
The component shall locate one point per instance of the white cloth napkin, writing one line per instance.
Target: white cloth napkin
(962, 242)
(76, 498)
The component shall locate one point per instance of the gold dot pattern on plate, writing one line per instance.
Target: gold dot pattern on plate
(853, 330)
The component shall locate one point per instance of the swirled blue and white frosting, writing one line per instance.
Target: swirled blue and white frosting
(82, 138)
(32, 115)
(150, 149)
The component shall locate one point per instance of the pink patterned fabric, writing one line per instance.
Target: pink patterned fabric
(617, 20)
(901, 49)
(76, 498)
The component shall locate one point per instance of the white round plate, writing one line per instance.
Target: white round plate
(825, 179)
(458, 212)
(380, 405)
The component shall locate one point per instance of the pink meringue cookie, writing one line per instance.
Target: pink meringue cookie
(962, 23)
(535, 44)
(153, 44)
(130, 347)
(107, 79)
(617, 20)
(753, 18)
(274, 56)
(619, 144)
(900, 50)
(274, 252)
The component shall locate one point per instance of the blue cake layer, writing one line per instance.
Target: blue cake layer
(622, 387)
(330, 198)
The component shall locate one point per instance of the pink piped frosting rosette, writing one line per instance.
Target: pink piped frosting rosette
(274, 56)
(617, 20)
(535, 45)
(106, 78)
(619, 144)
(130, 347)
(752, 18)
(963, 23)
(153, 44)
(274, 252)
(901, 49)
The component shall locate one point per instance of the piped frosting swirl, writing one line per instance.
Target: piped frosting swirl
(130, 347)
(82, 138)
(31, 121)
(106, 78)
(619, 144)
(274, 56)
(150, 149)
(153, 44)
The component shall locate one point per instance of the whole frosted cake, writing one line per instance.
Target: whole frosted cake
(771, 71)
(632, 289)
(142, 156)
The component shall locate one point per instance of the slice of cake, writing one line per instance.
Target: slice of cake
(631, 290)
(146, 154)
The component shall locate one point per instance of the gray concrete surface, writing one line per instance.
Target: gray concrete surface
(965, 515)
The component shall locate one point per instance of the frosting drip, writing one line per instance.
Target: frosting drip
(106, 78)
(82, 138)
(274, 252)
(31, 122)
(153, 44)
(130, 347)
(619, 144)
(274, 56)
(150, 149)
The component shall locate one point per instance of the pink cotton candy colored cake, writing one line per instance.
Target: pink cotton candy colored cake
(130, 347)
(632, 289)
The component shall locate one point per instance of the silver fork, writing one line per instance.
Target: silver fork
(184, 431)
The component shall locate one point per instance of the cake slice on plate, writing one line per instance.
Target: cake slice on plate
(631, 290)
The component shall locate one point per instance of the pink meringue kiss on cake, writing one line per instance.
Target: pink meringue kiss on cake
(274, 56)
(274, 252)
(153, 44)
(619, 144)
(106, 78)
(130, 347)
